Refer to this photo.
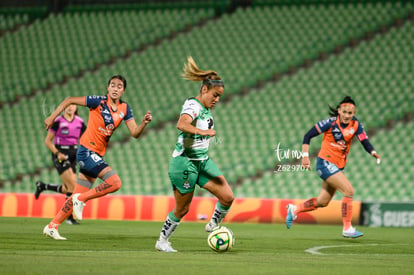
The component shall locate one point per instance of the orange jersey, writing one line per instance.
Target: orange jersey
(102, 122)
(337, 140)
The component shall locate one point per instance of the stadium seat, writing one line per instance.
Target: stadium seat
(250, 125)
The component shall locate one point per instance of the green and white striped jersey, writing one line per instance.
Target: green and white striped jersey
(194, 147)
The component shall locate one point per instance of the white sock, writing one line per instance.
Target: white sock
(168, 228)
(219, 214)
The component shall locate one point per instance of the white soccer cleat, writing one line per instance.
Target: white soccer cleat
(290, 217)
(52, 233)
(352, 233)
(164, 246)
(77, 207)
(210, 226)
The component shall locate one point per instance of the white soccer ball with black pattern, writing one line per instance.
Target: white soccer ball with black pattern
(221, 239)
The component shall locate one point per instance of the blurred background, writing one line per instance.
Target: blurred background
(283, 63)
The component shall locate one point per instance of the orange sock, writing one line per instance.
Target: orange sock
(63, 213)
(306, 206)
(347, 212)
(110, 185)
(67, 208)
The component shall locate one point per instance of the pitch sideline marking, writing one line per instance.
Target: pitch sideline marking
(315, 250)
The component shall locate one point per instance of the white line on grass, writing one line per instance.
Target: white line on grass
(315, 250)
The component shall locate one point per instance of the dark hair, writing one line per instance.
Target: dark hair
(120, 77)
(334, 111)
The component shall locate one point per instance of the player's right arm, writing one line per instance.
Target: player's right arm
(62, 106)
(184, 125)
(316, 130)
(189, 112)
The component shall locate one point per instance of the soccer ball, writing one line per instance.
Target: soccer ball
(221, 239)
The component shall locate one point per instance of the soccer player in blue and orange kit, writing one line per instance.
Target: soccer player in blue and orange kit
(339, 130)
(105, 115)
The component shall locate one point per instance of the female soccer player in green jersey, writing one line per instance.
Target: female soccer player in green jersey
(190, 164)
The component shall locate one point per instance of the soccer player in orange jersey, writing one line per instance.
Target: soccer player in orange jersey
(105, 115)
(339, 130)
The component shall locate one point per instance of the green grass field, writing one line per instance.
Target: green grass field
(127, 247)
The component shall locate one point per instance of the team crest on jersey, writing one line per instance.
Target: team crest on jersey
(121, 114)
(349, 132)
(186, 185)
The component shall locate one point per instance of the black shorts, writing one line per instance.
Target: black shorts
(70, 152)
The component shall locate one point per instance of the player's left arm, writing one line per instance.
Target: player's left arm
(136, 130)
(363, 138)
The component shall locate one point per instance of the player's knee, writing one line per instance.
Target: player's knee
(64, 190)
(349, 192)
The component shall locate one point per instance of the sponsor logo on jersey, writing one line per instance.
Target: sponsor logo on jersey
(107, 119)
(341, 142)
(105, 132)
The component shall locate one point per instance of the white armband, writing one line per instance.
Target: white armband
(305, 154)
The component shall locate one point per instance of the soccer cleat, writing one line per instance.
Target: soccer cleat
(352, 233)
(52, 233)
(210, 226)
(40, 187)
(164, 246)
(71, 220)
(290, 217)
(77, 207)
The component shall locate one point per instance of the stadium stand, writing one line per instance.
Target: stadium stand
(60, 46)
(255, 44)
(8, 22)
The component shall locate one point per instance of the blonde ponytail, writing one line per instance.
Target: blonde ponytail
(193, 73)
